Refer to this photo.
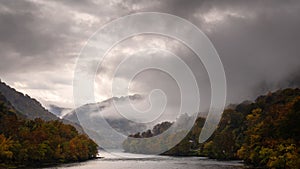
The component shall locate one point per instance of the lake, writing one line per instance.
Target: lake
(119, 160)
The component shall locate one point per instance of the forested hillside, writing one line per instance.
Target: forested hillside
(263, 133)
(29, 107)
(37, 142)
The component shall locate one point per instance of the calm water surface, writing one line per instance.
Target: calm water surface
(117, 161)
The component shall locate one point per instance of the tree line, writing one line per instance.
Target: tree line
(263, 133)
(37, 142)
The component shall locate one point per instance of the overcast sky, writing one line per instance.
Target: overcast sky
(257, 41)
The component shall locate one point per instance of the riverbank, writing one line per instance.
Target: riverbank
(45, 165)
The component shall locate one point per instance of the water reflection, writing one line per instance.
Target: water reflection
(115, 161)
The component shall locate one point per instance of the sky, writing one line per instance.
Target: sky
(257, 41)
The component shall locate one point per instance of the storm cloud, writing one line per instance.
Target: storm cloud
(257, 41)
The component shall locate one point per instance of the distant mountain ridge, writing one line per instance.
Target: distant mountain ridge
(58, 111)
(95, 126)
(118, 122)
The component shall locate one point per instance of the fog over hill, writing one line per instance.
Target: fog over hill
(58, 111)
(107, 111)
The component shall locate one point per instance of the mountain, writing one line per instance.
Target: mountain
(107, 110)
(58, 111)
(103, 123)
(29, 107)
(36, 143)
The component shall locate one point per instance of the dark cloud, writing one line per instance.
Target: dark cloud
(259, 49)
(257, 40)
(28, 41)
